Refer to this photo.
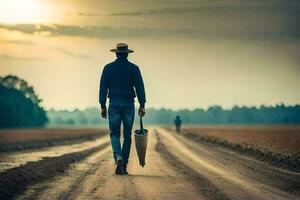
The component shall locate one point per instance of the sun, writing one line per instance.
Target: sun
(21, 11)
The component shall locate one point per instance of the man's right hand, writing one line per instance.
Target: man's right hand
(104, 113)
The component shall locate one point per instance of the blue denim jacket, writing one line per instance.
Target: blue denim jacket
(121, 80)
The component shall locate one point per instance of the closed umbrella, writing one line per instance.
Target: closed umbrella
(141, 140)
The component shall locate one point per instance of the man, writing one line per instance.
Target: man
(121, 82)
(177, 123)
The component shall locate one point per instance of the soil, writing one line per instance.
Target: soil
(177, 167)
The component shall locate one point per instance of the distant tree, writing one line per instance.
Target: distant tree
(57, 121)
(215, 114)
(19, 105)
(70, 122)
(81, 119)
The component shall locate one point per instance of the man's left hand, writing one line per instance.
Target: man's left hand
(142, 112)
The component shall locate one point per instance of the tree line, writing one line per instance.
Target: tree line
(214, 115)
(21, 107)
(19, 104)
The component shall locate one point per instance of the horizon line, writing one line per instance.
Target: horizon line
(180, 109)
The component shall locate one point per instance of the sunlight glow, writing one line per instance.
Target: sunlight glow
(22, 11)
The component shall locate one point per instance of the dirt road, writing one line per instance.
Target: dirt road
(176, 168)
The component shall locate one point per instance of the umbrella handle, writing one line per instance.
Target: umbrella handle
(141, 123)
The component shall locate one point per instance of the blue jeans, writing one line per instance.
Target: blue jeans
(118, 113)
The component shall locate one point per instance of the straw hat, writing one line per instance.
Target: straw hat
(122, 48)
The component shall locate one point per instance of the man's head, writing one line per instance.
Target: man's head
(121, 55)
(122, 50)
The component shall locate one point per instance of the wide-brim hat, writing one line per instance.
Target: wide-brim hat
(122, 48)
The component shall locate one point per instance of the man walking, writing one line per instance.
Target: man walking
(177, 123)
(121, 81)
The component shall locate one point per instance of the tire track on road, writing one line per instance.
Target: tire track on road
(157, 180)
(205, 187)
(92, 165)
(233, 185)
(63, 186)
(16, 159)
(245, 166)
(15, 181)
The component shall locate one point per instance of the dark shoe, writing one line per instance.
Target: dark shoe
(125, 169)
(120, 168)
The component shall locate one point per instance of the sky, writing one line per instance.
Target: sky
(192, 53)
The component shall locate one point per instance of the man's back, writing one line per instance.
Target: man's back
(119, 79)
(177, 121)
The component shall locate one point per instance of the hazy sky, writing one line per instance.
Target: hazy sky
(191, 53)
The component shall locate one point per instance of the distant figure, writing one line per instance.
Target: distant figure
(177, 123)
(121, 82)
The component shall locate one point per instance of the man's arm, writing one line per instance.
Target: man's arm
(103, 90)
(140, 91)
